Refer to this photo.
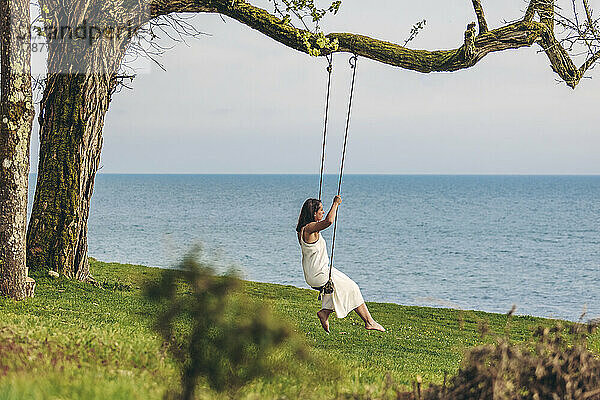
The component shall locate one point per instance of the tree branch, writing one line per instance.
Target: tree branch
(588, 63)
(164, 7)
(480, 16)
(591, 25)
(523, 33)
(530, 12)
(560, 61)
(545, 9)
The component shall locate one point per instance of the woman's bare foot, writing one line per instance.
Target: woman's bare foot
(324, 318)
(370, 323)
(374, 326)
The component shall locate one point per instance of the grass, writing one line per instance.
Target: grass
(78, 341)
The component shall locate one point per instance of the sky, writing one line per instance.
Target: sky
(236, 101)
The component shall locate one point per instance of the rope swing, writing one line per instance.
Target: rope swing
(328, 287)
(329, 70)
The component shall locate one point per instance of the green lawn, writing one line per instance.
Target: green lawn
(78, 341)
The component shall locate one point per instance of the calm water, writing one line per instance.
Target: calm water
(469, 242)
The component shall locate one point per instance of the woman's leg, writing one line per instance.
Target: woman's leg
(370, 323)
(323, 315)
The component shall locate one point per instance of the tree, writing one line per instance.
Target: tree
(16, 117)
(82, 75)
(74, 105)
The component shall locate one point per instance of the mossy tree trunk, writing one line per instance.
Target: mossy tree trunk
(16, 117)
(71, 121)
(80, 81)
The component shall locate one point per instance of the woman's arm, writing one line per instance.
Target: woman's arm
(314, 227)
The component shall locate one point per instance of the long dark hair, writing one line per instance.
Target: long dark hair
(307, 214)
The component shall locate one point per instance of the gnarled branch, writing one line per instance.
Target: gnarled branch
(530, 12)
(523, 33)
(480, 16)
(545, 9)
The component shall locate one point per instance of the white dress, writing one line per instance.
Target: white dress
(346, 295)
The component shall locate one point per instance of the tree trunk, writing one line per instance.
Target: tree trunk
(71, 121)
(16, 117)
(81, 78)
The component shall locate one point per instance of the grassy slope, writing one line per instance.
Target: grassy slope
(74, 340)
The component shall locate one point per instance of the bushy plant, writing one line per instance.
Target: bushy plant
(555, 365)
(214, 331)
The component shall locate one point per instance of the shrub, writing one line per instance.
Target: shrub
(555, 365)
(212, 330)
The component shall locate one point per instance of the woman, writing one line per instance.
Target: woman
(315, 262)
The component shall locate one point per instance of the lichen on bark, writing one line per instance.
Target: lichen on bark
(16, 116)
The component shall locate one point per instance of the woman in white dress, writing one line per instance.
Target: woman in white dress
(315, 262)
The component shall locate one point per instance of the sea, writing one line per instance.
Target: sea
(472, 242)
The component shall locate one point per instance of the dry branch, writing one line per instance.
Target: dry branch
(591, 23)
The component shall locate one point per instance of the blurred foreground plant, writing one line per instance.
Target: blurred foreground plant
(214, 331)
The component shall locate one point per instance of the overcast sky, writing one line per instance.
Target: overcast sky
(235, 101)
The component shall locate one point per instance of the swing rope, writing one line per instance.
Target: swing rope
(329, 70)
(328, 288)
